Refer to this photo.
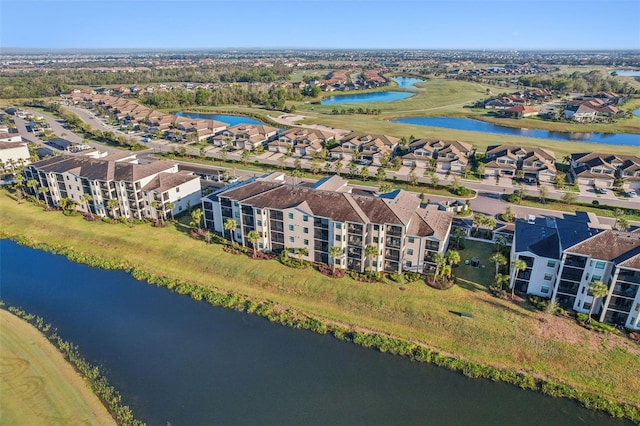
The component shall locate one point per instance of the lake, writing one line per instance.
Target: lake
(469, 124)
(231, 120)
(183, 362)
(387, 96)
(627, 73)
(407, 82)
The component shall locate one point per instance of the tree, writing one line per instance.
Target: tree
(85, 198)
(113, 204)
(458, 233)
(381, 174)
(569, 197)
(434, 180)
(622, 224)
(597, 289)
(169, 206)
(479, 219)
(302, 252)
(364, 173)
(452, 257)
(338, 167)
(542, 192)
(370, 251)
(196, 217)
(385, 187)
(500, 280)
(438, 260)
(253, 237)
(455, 184)
(518, 265)
(561, 180)
(230, 225)
(31, 184)
(507, 216)
(353, 169)
(43, 190)
(481, 169)
(499, 259)
(334, 252)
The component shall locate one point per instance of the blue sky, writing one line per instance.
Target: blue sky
(417, 24)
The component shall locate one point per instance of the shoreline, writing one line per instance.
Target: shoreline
(360, 336)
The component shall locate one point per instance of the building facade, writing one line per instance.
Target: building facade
(331, 213)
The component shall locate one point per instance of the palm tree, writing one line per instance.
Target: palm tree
(31, 184)
(338, 167)
(156, 206)
(253, 237)
(499, 259)
(113, 204)
(230, 225)
(518, 265)
(452, 257)
(479, 219)
(500, 280)
(597, 289)
(302, 252)
(438, 259)
(85, 198)
(623, 224)
(196, 216)
(445, 271)
(169, 206)
(334, 252)
(370, 251)
(43, 190)
(457, 234)
(543, 194)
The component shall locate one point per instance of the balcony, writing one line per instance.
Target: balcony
(629, 276)
(568, 287)
(575, 261)
(321, 234)
(354, 241)
(354, 229)
(625, 290)
(392, 255)
(620, 304)
(572, 274)
(394, 242)
(394, 231)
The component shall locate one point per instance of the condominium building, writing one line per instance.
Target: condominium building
(565, 255)
(331, 213)
(142, 190)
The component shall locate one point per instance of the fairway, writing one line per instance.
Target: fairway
(37, 385)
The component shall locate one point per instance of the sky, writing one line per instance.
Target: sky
(328, 24)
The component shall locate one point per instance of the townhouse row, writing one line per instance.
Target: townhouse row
(565, 255)
(153, 191)
(331, 213)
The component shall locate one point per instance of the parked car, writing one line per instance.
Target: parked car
(631, 193)
(233, 180)
(601, 191)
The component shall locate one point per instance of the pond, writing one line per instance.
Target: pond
(228, 119)
(387, 96)
(481, 126)
(181, 362)
(626, 73)
(407, 82)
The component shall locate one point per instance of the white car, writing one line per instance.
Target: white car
(631, 193)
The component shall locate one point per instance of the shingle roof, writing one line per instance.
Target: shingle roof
(609, 245)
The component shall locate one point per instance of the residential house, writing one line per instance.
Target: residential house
(580, 113)
(368, 147)
(601, 170)
(442, 155)
(5, 137)
(536, 164)
(114, 177)
(304, 142)
(332, 213)
(60, 143)
(245, 136)
(12, 155)
(520, 111)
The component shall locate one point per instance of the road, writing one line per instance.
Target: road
(487, 201)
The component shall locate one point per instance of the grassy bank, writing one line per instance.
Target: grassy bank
(505, 340)
(38, 385)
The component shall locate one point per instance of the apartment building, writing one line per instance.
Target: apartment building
(331, 213)
(118, 177)
(564, 255)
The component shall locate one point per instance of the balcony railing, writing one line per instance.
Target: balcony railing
(568, 287)
(626, 290)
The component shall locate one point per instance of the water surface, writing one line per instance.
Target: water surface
(407, 82)
(231, 120)
(469, 124)
(387, 96)
(184, 362)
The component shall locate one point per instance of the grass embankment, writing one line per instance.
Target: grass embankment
(503, 334)
(38, 386)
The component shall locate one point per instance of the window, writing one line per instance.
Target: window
(290, 227)
(177, 189)
(235, 204)
(337, 237)
(409, 264)
(376, 227)
(258, 211)
(637, 307)
(544, 289)
(291, 239)
(260, 245)
(596, 278)
(409, 252)
(600, 265)
(375, 240)
(338, 226)
(305, 230)
(306, 242)
(305, 218)
(236, 215)
(290, 215)
(336, 261)
(586, 305)
(548, 277)
(551, 264)
(411, 240)
(259, 222)
(375, 263)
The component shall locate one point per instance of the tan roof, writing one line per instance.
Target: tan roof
(165, 181)
(609, 245)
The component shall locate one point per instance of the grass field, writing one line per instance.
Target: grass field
(503, 333)
(37, 385)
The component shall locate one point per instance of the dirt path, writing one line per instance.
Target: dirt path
(38, 386)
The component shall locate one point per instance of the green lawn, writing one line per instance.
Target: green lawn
(503, 333)
(481, 276)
